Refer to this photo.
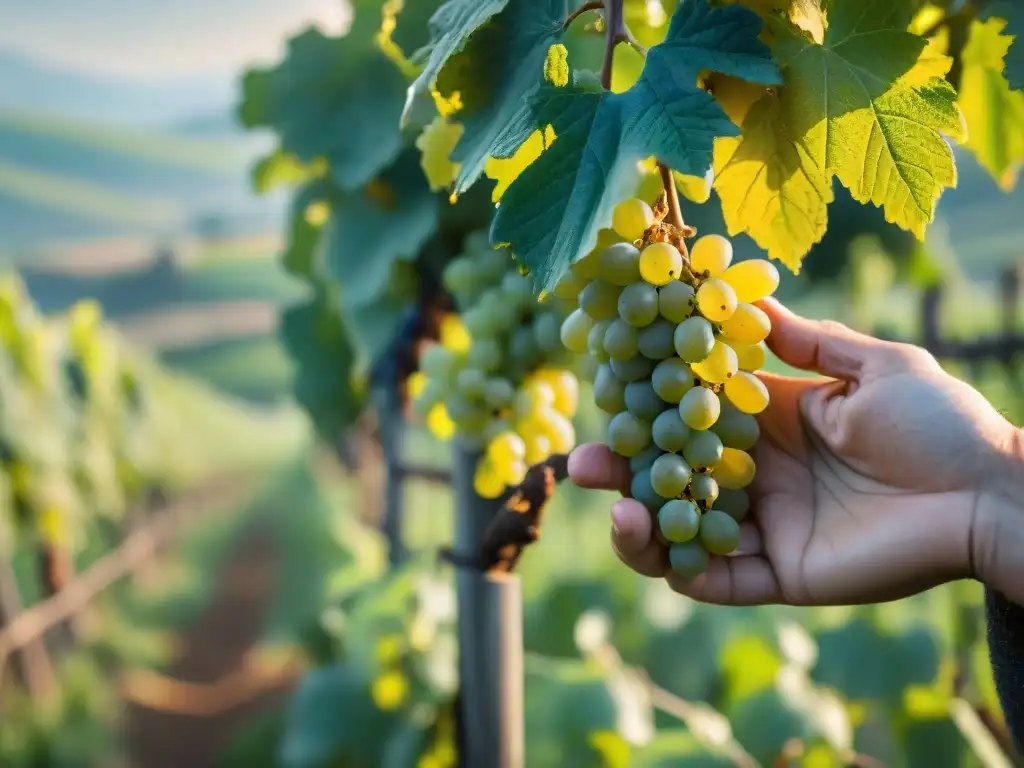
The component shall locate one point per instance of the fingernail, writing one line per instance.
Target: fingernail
(617, 519)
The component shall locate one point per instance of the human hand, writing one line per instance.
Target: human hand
(885, 479)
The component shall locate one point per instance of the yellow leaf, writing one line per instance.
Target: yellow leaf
(505, 170)
(435, 144)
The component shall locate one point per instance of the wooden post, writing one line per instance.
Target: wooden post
(491, 697)
(391, 423)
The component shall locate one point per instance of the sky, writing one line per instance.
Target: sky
(147, 39)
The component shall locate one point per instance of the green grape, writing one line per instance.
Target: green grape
(436, 362)
(589, 267)
(620, 264)
(734, 502)
(645, 458)
(609, 391)
(499, 393)
(670, 475)
(679, 520)
(669, 432)
(458, 276)
(641, 489)
(735, 428)
(719, 366)
(747, 392)
(634, 369)
(704, 489)
(469, 418)
(688, 559)
(620, 340)
(657, 340)
(631, 218)
(735, 470)
(711, 255)
(494, 428)
(716, 300)
(432, 394)
(699, 408)
(600, 300)
(485, 354)
(638, 304)
(660, 263)
(642, 401)
(546, 332)
(628, 435)
(719, 533)
(472, 383)
(676, 301)
(523, 351)
(748, 325)
(595, 341)
(751, 357)
(569, 286)
(752, 280)
(703, 450)
(694, 339)
(672, 378)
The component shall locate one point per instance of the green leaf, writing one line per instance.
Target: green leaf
(279, 168)
(551, 213)
(1013, 13)
(994, 113)
(867, 106)
(333, 98)
(308, 208)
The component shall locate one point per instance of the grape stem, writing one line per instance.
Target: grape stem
(615, 33)
(675, 214)
(593, 5)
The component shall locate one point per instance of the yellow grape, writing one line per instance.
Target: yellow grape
(748, 324)
(506, 447)
(631, 217)
(718, 366)
(439, 422)
(716, 300)
(747, 392)
(558, 430)
(390, 690)
(565, 386)
(415, 384)
(511, 472)
(538, 448)
(711, 254)
(453, 334)
(735, 470)
(752, 280)
(486, 481)
(751, 357)
(660, 263)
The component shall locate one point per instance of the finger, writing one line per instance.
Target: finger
(633, 541)
(595, 466)
(731, 581)
(824, 346)
(750, 541)
(781, 419)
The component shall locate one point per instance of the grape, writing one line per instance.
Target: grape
(660, 263)
(716, 300)
(628, 435)
(669, 432)
(523, 352)
(499, 393)
(670, 475)
(703, 450)
(676, 301)
(672, 378)
(711, 255)
(657, 340)
(546, 333)
(638, 304)
(688, 559)
(734, 502)
(694, 339)
(751, 357)
(634, 369)
(557, 429)
(699, 408)
(735, 428)
(752, 280)
(458, 276)
(512, 472)
(531, 399)
(494, 428)
(505, 448)
(595, 341)
(566, 388)
(538, 448)
(569, 286)
(719, 533)
(609, 391)
(747, 392)
(431, 394)
(719, 366)
(642, 490)
(440, 423)
(437, 362)
(704, 489)
(589, 267)
(642, 401)
(748, 325)
(620, 264)
(600, 300)
(679, 520)
(631, 218)
(620, 340)
(485, 354)
(472, 383)
(735, 470)
(486, 482)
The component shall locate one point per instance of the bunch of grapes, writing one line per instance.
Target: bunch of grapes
(678, 340)
(499, 377)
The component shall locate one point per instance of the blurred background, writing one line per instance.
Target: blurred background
(212, 535)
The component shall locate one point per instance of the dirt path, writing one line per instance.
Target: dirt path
(220, 680)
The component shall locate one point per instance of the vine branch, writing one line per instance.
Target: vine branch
(675, 214)
(593, 5)
(615, 33)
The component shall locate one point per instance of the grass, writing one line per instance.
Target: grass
(255, 369)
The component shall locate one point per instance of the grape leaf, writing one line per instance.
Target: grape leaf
(867, 106)
(1013, 13)
(334, 98)
(305, 227)
(435, 144)
(994, 113)
(551, 213)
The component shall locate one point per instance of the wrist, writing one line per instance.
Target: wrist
(997, 524)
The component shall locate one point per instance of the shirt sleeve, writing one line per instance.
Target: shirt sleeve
(1006, 646)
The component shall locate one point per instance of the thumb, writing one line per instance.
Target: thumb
(825, 346)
